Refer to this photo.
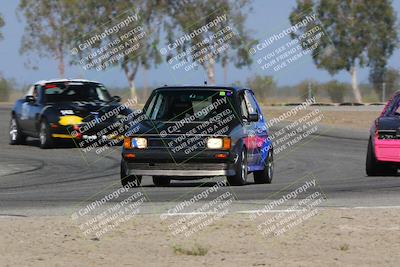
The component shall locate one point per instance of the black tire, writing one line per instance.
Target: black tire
(265, 176)
(16, 136)
(240, 177)
(129, 180)
(45, 139)
(375, 168)
(161, 180)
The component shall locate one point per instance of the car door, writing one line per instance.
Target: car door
(263, 144)
(33, 112)
(23, 117)
(248, 108)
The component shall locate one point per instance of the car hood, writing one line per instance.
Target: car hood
(86, 108)
(151, 127)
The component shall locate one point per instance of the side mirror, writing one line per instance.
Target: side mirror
(117, 98)
(30, 99)
(253, 117)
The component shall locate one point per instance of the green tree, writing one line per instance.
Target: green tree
(390, 82)
(1, 25)
(336, 90)
(360, 33)
(390, 79)
(6, 86)
(263, 86)
(237, 84)
(188, 18)
(110, 13)
(376, 77)
(48, 28)
(383, 44)
(304, 88)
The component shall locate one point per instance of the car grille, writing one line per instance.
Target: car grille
(182, 166)
(197, 142)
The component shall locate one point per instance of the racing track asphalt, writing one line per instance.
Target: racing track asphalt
(54, 180)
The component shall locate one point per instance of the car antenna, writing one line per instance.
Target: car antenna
(205, 82)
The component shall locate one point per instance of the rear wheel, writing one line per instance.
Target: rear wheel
(129, 180)
(16, 136)
(375, 168)
(265, 176)
(240, 176)
(161, 180)
(46, 141)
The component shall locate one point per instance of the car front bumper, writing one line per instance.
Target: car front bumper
(94, 134)
(160, 162)
(184, 170)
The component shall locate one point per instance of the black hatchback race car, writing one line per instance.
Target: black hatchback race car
(65, 109)
(194, 132)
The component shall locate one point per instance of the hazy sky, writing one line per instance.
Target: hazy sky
(268, 16)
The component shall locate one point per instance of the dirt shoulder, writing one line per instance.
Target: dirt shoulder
(333, 237)
(353, 119)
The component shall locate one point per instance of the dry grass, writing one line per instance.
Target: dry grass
(344, 247)
(348, 119)
(196, 250)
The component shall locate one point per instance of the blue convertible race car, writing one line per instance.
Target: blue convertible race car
(66, 109)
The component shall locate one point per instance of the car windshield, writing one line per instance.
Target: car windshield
(74, 91)
(191, 105)
(394, 108)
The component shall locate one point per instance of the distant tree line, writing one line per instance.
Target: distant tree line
(7, 86)
(1, 25)
(267, 90)
(361, 33)
(54, 27)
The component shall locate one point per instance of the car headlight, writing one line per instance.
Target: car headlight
(67, 112)
(219, 143)
(135, 142)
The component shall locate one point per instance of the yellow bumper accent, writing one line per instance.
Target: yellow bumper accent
(62, 136)
(70, 120)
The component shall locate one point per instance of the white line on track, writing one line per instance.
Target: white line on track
(371, 207)
(277, 211)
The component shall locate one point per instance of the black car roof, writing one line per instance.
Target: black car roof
(203, 87)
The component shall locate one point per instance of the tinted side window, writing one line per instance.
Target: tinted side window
(30, 91)
(250, 102)
(393, 107)
(243, 106)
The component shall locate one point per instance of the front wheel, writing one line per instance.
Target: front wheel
(16, 136)
(46, 141)
(265, 176)
(240, 176)
(129, 180)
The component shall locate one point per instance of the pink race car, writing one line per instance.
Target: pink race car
(383, 156)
